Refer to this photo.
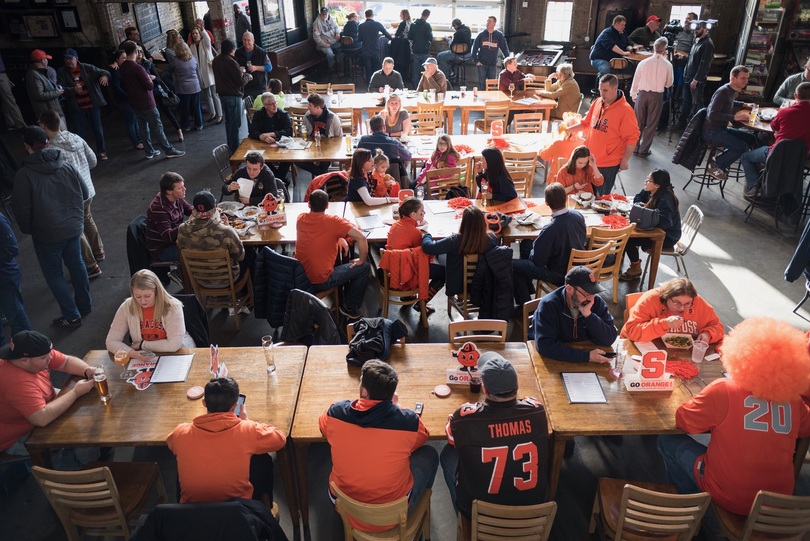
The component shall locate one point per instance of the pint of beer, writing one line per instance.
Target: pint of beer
(101, 385)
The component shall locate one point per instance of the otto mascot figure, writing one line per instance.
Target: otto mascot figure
(275, 215)
(468, 356)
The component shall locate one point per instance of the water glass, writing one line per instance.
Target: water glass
(618, 363)
(269, 353)
(699, 348)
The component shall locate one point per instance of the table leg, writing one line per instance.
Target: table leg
(655, 258)
(465, 119)
(288, 480)
(556, 460)
(450, 116)
(301, 452)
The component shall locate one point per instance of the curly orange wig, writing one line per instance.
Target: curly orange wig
(768, 358)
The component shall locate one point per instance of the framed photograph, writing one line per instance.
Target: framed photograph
(69, 19)
(17, 28)
(41, 26)
(14, 4)
(271, 12)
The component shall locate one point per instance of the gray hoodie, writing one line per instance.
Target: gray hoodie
(78, 153)
(49, 197)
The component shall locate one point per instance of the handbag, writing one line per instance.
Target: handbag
(643, 217)
(167, 97)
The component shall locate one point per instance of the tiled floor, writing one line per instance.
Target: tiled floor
(737, 267)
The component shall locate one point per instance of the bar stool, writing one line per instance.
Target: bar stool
(616, 67)
(458, 75)
(701, 174)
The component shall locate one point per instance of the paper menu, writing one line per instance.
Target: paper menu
(645, 347)
(583, 388)
(172, 368)
(369, 222)
(245, 187)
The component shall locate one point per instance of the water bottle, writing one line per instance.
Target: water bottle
(420, 192)
(484, 192)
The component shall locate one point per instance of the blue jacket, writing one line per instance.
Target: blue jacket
(603, 46)
(553, 326)
(369, 32)
(390, 147)
(455, 262)
(274, 276)
(668, 218)
(552, 247)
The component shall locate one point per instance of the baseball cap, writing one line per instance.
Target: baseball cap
(324, 9)
(39, 54)
(430, 60)
(204, 201)
(26, 344)
(35, 137)
(583, 278)
(653, 18)
(70, 53)
(498, 374)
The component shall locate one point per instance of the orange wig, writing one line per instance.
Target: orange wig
(768, 358)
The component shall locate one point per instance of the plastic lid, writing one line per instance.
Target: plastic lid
(442, 391)
(195, 392)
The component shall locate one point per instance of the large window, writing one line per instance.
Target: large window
(558, 21)
(473, 13)
(679, 12)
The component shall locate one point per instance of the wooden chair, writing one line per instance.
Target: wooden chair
(528, 123)
(346, 116)
(318, 88)
(211, 277)
(222, 157)
(435, 109)
(529, 308)
(630, 300)
(439, 181)
(406, 527)
(249, 110)
(350, 334)
(491, 521)
(397, 297)
(616, 66)
(491, 84)
(522, 161)
(646, 511)
(617, 238)
(772, 516)
(493, 110)
(424, 124)
(346, 88)
(304, 85)
(102, 501)
(593, 259)
(523, 182)
(461, 302)
(464, 327)
(297, 119)
(690, 227)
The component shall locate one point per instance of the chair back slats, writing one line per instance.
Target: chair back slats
(222, 157)
(462, 328)
(441, 180)
(424, 123)
(436, 110)
(493, 522)
(529, 309)
(297, 119)
(491, 84)
(528, 123)
(462, 302)
(654, 513)
(346, 116)
(493, 110)
(593, 259)
(346, 88)
(690, 228)
(211, 276)
(523, 182)
(617, 239)
(779, 514)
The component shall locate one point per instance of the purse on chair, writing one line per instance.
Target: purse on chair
(643, 217)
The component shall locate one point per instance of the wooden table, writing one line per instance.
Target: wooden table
(332, 150)
(328, 379)
(759, 125)
(470, 103)
(135, 418)
(267, 236)
(626, 413)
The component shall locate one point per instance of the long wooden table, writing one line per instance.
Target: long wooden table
(626, 413)
(469, 103)
(136, 418)
(328, 379)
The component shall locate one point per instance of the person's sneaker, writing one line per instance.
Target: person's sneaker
(65, 322)
(350, 314)
(94, 272)
(244, 310)
(750, 192)
(630, 274)
(139, 146)
(99, 256)
(154, 153)
(102, 156)
(174, 153)
(428, 309)
(716, 172)
(85, 311)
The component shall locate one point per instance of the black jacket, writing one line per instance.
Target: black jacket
(90, 74)
(492, 286)
(279, 123)
(275, 275)
(258, 84)
(308, 320)
(691, 149)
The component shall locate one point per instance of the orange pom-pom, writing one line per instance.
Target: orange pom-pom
(768, 358)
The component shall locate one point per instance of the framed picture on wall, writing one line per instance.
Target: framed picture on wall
(40, 4)
(271, 13)
(41, 26)
(69, 19)
(17, 28)
(14, 4)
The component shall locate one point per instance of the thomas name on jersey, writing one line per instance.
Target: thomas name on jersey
(514, 428)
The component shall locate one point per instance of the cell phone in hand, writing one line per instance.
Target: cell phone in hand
(418, 407)
(239, 402)
(610, 354)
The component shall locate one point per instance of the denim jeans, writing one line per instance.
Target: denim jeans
(149, 122)
(132, 123)
(691, 100)
(79, 120)
(445, 60)
(330, 53)
(13, 310)
(610, 180)
(749, 161)
(417, 68)
(679, 453)
(51, 256)
(602, 67)
(736, 142)
(424, 464)
(484, 73)
(190, 106)
(355, 279)
(525, 271)
(370, 65)
(212, 98)
(232, 111)
(449, 462)
(170, 253)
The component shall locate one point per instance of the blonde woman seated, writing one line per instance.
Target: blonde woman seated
(397, 120)
(151, 317)
(562, 86)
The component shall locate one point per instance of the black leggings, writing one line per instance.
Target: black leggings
(634, 244)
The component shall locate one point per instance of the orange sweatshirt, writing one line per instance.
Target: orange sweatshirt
(561, 148)
(408, 269)
(648, 319)
(582, 176)
(610, 130)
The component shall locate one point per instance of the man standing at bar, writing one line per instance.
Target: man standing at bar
(695, 74)
(228, 80)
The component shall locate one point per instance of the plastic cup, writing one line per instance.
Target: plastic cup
(269, 353)
(699, 348)
(618, 362)
(475, 383)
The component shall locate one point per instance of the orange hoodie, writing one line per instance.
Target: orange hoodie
(610, 129)
(408, 269)
(648, 320)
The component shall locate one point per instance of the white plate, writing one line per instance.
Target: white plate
(253, 213)
(229, 206)
(677, 335)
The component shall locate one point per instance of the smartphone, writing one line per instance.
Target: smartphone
(610, 354)
(145, 353)
(418, 408)
(239, 401)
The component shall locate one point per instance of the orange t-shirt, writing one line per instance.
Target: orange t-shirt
(151, 330)
(381, 188)
(316, 247)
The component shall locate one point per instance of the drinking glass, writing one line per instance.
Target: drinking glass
(699, 348)
(618, 363)
(281, 200)
(269, 353)
(100, 378)
(511, 89)
(121, 358)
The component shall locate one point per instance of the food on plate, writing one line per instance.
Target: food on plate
(585, 196)
(238, 224)
(252, 211)
(601, 206)
(678, 340)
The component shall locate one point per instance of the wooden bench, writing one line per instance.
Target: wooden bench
(290, 63)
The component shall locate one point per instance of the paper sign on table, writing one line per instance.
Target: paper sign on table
(172, 368)
(583, 388)
(651, 374)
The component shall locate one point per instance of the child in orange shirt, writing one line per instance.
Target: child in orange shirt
(580, 174)
(382, 184)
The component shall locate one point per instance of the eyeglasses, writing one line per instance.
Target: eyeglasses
(582, 291)
(678, 304)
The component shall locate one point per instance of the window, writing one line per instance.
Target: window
(679, 13)
(473, 13)
(558, 21)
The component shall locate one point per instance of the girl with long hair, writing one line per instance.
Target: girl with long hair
(359, 186)
(151, 317)
(200, 45)
(657, 193)
(580, 173)
(397, 120)
(445, 155)
(492, 168)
